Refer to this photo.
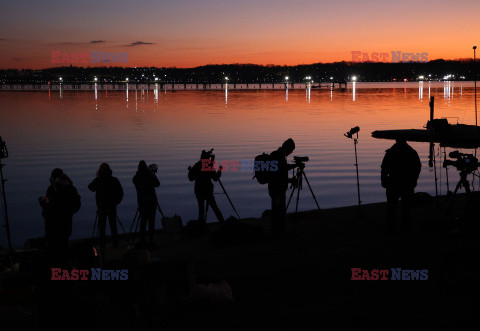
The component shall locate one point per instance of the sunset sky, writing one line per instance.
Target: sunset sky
(187, 33)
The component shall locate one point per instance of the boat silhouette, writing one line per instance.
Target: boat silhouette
(437, 130)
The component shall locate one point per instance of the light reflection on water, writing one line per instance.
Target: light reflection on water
(78, 130)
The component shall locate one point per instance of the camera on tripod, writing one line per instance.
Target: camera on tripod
(464, 162)
(352, 131)
(3, 149)
(300, 159)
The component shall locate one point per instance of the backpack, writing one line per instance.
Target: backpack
(193, 171)
(262, 167)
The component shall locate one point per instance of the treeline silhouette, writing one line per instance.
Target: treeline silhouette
(247, 73)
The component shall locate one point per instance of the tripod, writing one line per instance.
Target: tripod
(95, 227)
(462, 182)
(229, 200)
(136, 223)
(350, 134)
(298, 186)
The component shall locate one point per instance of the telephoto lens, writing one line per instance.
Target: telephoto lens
(352, 131)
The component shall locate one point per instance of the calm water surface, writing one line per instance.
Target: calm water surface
(77, 131)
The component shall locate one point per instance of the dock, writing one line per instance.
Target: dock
(170, 86)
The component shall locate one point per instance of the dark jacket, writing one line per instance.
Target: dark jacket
(145, 182)
(109, 191)
(401, 167)
(203, 179)
(64, 201)
(279, 179)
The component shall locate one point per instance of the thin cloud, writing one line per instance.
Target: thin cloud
(18, 59)
(139, 43)
(97, 41)
(67, 43)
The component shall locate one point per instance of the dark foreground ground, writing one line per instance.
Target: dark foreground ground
(300, 282)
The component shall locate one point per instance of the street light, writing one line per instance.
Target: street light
(226, 78)
(126, 79)
(354, 78)
(60, 79)
(286, 78)
(95, 79)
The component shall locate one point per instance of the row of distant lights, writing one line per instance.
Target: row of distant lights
(308, 78)
(95, 79)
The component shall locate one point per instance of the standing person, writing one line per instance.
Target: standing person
(401, 167)
(58, 206)
(203, 173)
(145, 182)
(109, 193)
(277, 186)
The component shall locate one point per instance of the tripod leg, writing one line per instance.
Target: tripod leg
(298, 197)
(121, 225)
(206, 211)
(311, 191)
(160, 209)
(94, 226)
(135, 233)
(467, 186)
(4, 198)
(290, 198)
(133, 222)
(228, 197)
(451, 198)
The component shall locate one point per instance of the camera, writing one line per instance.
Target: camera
(3, 149)
(300, 159)
(153, 168)
(209, 154)
(463, 162)
(352, 131)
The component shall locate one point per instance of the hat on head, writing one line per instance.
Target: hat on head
(288, 144)
(104, 169)
(57, 172)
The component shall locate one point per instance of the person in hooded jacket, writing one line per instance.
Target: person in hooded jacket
(145, 182)
(401, 167)
(58, 206)
(203, 173)
(277, 187)
(109, 194)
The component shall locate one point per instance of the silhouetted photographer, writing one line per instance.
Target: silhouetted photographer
(145, 182)
(58, 206)
(278, 184)
(401, 167)
(108, 194)
(203, 173)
